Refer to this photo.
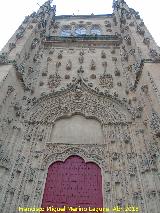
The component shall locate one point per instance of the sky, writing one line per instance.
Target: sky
(12, 13)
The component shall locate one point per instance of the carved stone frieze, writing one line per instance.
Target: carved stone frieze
(80, 99)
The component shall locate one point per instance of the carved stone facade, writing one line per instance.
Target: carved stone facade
(86, 86)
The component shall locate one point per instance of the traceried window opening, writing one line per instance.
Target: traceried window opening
(66, 31)
(80, 31)
(95, 30)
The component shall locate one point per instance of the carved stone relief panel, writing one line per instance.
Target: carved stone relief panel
(80, 101)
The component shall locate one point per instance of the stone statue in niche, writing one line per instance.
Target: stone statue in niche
(20, 33)
(114, 19)
(11, 46)
(81, 53)
(123, 20)
(117, 72)
(80, 70)
(113, 51)
(3, 58)
(124, 54)
(137, 16)
(58, 64)
(146, 41)
(59, 55)
(104, 64)
(93, 65)
(119, 84)
(128, 39)
(69, 65)
(34, 43)
(144, 88)
(81, 59)
(114, 59)
(30, 70)
(154, 54)
(140, 30)
(107, 24)
(103, 54)
(128, 15)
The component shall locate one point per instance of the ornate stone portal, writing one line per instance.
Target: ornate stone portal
(67, 92)
(71, 182)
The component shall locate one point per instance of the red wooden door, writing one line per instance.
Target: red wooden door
(73, 183)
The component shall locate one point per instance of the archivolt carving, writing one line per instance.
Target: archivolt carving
(78, 99)
(92, 152)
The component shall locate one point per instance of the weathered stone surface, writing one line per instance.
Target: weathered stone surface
(92, 89)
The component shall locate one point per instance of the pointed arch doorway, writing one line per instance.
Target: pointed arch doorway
(73, 183)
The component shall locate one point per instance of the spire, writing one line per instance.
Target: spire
(118, 4)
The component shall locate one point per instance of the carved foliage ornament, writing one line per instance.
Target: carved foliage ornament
(95, 153)
(69, 65)
(155, 123)
(20, 32)
(3, 58)
(106, 80)
(78, 100)
(140, 30)
(34, 43)
(155, 55)
(54, 81)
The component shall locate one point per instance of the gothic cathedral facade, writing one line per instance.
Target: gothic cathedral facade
(80, 113)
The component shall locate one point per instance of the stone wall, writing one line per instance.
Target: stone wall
(105, 88)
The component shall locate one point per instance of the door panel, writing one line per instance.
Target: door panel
(73, 183)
